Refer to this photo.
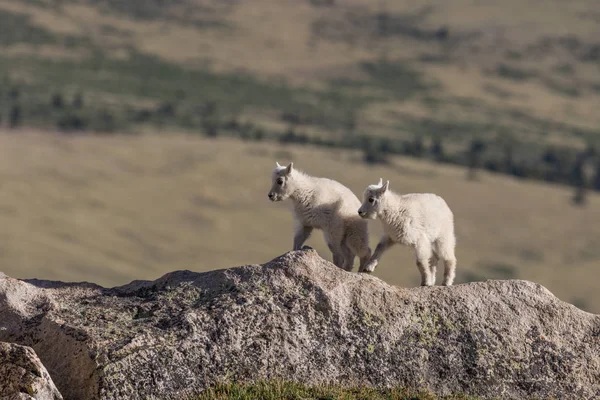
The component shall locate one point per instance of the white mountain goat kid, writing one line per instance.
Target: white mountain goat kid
(422, 221)
(324, 204)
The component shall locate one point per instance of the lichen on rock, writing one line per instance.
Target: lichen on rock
(300, 318)
(22, 375)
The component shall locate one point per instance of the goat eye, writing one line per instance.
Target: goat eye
(371, 200)
(280, 181)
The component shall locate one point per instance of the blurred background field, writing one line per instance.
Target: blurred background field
(138, 137)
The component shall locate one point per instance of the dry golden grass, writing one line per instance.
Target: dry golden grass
(270, 38)
(114, 209)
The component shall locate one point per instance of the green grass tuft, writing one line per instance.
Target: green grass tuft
(283, 390)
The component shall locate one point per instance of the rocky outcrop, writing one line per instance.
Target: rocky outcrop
(22, 375)
(300, 318)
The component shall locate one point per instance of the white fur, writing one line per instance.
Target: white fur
(327, 205)
(422, 221)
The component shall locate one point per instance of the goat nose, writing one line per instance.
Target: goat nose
(271, 195)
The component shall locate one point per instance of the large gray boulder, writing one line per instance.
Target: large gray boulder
(300, 318)
(22, 375)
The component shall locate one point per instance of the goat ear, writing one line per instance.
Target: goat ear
(289, 168)
(380, 182)
(278, 166)
(385, 187)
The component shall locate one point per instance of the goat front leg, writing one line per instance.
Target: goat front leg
(301, 235)
(384, 243)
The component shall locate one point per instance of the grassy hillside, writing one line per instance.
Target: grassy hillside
(113, 209)
(510, 86)
(511, 72)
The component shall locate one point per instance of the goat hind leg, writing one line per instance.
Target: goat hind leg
(423, 254)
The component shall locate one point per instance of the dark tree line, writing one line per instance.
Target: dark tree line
(563, 165)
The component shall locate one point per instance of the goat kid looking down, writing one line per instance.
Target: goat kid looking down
(422, 221)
